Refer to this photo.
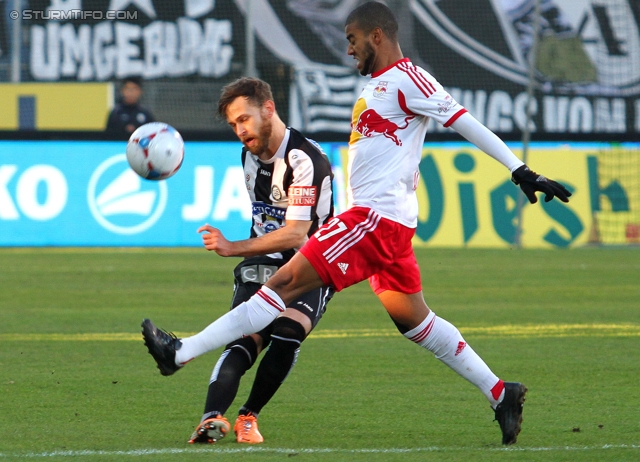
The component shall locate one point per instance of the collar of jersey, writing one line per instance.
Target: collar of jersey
(382, 71)
(280, 152)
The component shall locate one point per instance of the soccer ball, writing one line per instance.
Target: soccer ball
(155, 151)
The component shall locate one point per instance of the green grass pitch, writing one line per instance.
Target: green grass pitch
(77, 383)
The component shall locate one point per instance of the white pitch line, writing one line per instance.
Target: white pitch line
(254, 449)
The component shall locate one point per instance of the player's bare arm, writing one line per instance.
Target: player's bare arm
(291, 236)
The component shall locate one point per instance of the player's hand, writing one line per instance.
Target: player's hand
(213, 239)
(530, 182)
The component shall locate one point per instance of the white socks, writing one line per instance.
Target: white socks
(444, 340)
(247, 318)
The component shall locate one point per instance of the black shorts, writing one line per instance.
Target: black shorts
(252, 272)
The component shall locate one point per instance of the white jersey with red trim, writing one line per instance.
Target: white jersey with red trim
(387, 133)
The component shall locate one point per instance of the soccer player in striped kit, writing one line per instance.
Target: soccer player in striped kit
(372, 239)
(288, 179)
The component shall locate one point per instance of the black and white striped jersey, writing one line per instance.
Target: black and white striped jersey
(295, 184)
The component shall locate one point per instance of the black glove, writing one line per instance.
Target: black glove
(530, 182)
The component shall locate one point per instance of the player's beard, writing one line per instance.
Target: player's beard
(368, 59)
(264, 135)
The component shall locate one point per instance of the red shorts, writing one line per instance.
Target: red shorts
(360, 244)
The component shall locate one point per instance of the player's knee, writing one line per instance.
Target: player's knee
(265, 338)
(402, 328)
(287, 329)
(281, 281)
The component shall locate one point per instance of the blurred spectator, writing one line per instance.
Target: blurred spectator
(128, 113)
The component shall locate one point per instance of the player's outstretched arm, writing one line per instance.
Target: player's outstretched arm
(291, 236)
(529, 181)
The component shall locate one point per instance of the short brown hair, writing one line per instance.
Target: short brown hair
(255, 90)
(371, 15)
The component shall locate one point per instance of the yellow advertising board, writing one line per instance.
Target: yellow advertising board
(55, 106)
(467, 198)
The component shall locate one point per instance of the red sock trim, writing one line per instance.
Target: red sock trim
(496, 391)
(424, 333)
(270, 301)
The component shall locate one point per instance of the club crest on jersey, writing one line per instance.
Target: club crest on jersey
(276, 193)
(380, 90)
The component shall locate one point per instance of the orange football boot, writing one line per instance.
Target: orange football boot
(246, 430)
(210, 430)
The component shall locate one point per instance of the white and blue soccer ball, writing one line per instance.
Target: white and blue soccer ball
(155, 151)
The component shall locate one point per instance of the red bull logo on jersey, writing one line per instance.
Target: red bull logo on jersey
(371, 123)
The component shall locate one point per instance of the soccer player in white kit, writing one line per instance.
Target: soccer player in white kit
(372, 239)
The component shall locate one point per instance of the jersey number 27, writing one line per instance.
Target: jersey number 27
(326, 232)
